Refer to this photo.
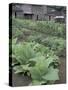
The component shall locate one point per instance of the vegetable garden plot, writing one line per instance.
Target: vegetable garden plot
(36, 50)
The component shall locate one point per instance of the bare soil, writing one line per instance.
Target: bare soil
(20, 80)
(62, 71)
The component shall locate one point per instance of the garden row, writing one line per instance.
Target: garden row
(36, 47)
(47, 27)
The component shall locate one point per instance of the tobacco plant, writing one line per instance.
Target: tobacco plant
(38, 61)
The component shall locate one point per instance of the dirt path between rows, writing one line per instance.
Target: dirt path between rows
(62, 71)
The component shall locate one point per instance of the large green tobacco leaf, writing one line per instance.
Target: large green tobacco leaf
(52, 74)
(21, 68)
(18, 69)
(41, 72)
(23, 52)
(42, 61)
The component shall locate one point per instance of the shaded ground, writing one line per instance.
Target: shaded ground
(20, 80)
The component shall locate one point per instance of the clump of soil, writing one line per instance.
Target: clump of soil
(20, 80)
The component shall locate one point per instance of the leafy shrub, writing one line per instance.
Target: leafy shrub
(37, 60)
(54, 43)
